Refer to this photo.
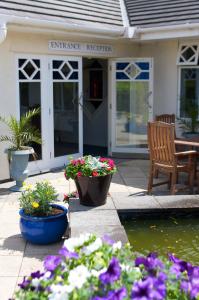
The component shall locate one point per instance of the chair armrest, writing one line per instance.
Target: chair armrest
(186, 153)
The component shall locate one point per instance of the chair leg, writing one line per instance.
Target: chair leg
(150, 180)
(169, 180)
(191, 180)
(156, 173)
(173, 183)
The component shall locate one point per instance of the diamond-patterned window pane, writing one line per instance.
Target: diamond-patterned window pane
(37, 62)
(29, 69)
(57, 75)
(37, 75)
(74, 64)
(188, 53)
(57, 64)
(65, 70)
(21, 75)
(21, 62)
(132, 71)
(74, 75)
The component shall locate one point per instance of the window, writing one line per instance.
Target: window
(188, 54)
(29, 74)
(188, 59)
(189, 90)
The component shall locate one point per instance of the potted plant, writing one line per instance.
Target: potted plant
(41, 221)
(22, 133)
(92, 177)
(190, 122)
(92, 268)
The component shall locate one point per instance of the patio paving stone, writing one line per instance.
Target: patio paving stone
(131, 202)
(178, 201)
(10, 265)
(94, 218)
(76, 206)
(14, 246)
(8, 284)
(31, 264)
(117, 233)
(35, 250)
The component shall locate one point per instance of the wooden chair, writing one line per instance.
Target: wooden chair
(164, 158)
(166, 118)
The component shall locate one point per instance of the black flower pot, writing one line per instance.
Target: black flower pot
(93, 190)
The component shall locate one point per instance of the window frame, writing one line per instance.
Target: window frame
(187, 63)
(179, 85)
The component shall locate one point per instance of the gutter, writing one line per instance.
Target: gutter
(46, 24)
(170, 31)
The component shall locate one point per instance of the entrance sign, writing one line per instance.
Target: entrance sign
(79, 47)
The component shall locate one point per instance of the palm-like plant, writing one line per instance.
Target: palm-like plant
(22, 133)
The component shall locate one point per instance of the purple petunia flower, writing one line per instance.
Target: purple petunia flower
(191, 285)
(179, 266)
(151, 262)
(66, 253)
(108, 240)
(149, 289)
(51, 262)
(36, 274)
(24, 283)
(113, 272)
(113, 295)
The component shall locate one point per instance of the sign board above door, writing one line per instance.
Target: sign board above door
(80, 47)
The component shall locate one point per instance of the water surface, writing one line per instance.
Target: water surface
(178, 235)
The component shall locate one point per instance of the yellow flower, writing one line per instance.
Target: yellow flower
(35, 204)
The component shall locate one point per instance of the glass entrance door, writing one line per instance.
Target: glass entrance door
(66, 117)
(132, 104)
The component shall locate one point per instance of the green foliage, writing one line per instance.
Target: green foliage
(36, 201)
(190, 123)
(22, 133)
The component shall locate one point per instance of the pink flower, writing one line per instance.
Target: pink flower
(73, 162)
(66, 197)
(82, 161)
(79, 174)
(95, 173)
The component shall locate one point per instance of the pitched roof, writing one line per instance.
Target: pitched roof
(104, 12)
(151, 13)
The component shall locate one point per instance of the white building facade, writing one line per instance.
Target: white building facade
(97, 79)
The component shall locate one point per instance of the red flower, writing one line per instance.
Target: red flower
(66, 197)
(95, 173)
(109, 168)
(79, 174)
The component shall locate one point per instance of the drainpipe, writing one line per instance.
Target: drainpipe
(3, 32)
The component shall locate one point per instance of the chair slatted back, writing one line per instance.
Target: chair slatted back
(166, 118)
(161, 142)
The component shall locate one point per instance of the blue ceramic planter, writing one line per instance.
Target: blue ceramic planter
(44, 230)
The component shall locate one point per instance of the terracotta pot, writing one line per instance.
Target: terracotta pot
(93, 190)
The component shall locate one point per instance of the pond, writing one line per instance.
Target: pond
(164, 233)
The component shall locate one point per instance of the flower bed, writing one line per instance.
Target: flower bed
(90, 268)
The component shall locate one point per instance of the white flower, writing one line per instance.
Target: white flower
(71, 243)
(97, 273)
(59, 292)
(117, 246)
(78, 276)
(93, 247)
(35, 282)
(46, 276)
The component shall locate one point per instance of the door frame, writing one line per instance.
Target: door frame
(48, 161)
(112, 111)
